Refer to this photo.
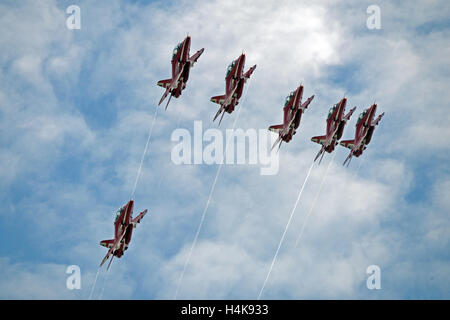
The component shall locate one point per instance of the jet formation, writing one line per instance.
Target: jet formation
(293, 110)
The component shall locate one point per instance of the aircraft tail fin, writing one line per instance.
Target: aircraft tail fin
(107, 243)
(164, 83)
(319, 139)
(110, 261)
(111, 249)
(166, 93)
(218, 99)
(348, 159)
(276, 128)
(348, 143)
(279, 141)
(221, 110)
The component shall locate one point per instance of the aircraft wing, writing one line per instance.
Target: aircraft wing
(348, 143)
(249, 72)
(138, 218)
(377, 120)
(349, 114)
(195, 57)
(305, 104)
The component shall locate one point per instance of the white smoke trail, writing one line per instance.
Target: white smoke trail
(207, 204)
(285, 230)
(359, 166)
(145, 151)
(314, 201)
(93, 285)
(104, 282)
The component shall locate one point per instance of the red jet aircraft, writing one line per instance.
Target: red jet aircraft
(365, 126)
(335, 127)
(293, 110)
(234, 85)
(181, 65)
(123, 229)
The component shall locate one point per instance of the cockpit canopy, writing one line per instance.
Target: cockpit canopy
(230, 67)
(175, 50)
(288, 98)
(331, 111)
(361, 116)
(119, 212)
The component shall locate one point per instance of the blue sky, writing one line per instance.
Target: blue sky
(75, 110)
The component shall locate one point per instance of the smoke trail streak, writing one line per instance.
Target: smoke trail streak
(93, 285)
(314, 201)
(104, 282)
(145, 151)
(359, 166)
(285, 230)
(163, 176)
(207, 205)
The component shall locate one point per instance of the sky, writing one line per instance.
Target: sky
(75, 111)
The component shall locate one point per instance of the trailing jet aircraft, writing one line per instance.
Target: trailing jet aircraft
(123, 229)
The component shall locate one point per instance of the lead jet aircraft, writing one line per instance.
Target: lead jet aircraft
(234, 85)
(335, 127)
(293, 110)
(181, 65)
(365, 126)
(123, 229)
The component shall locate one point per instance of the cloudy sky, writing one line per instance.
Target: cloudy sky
(75, 111)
